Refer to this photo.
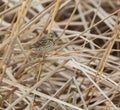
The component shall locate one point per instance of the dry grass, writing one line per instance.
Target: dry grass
(82, 72)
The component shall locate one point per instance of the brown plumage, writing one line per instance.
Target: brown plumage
(44, 45)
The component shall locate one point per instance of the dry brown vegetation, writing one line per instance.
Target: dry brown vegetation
(82, 71)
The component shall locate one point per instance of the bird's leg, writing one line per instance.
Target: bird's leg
(43, 57)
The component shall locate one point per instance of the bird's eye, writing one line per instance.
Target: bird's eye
(51, 34)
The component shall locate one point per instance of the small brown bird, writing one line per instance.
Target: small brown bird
(44, 45)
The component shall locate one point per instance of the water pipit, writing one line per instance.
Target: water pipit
(44, 45)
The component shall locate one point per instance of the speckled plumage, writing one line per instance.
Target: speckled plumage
(44, 45)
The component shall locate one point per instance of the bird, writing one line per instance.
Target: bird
(44, 45)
